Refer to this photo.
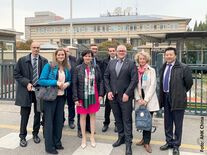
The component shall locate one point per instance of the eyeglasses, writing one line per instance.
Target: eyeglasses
(94, 48)
(36, 47)
(121, 51)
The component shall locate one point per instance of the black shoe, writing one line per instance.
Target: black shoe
(128, 149)
(23, 142)
(115, 129)
(52, 152)
(72, 125)
(79, 134)
(88, 130)
(176, 151)
(119, 142)
(105, 128)
(59, 147)
(165, 147)
(36, 139)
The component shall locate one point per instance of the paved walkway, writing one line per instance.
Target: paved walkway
(9, 140)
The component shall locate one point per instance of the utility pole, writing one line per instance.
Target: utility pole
(71, 25)
(12, 8)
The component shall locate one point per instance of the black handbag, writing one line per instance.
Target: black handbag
(143, 119)
(46, 93)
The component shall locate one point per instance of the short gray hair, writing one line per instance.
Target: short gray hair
(145, 54)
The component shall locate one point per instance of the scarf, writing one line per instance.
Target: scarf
(142, 74)
(89, 88)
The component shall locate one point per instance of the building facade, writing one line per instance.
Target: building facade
(125, 29)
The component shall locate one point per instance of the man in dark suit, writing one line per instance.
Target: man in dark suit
(71, 104)
(26, 73)
(175, 81)
(112, 56)
(95, 61)
(120, 79)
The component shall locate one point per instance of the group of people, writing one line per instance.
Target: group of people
(84, 83)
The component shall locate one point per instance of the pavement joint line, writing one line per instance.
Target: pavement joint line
(69, 133)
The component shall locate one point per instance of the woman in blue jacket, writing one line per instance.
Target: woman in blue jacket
(57, 74)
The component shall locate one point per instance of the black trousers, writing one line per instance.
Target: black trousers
(107, 112)
(25, 112)
(53, 114)
(170, 117)
(123, 116)
(147, 134)
(71, 106)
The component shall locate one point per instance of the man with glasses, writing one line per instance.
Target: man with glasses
(112, 56)
(120, 79)
(26, 73)
(71, 104)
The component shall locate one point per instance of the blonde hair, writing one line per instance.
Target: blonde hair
(65, 61)
(145, 54)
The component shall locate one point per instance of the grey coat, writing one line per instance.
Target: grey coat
(23, 74)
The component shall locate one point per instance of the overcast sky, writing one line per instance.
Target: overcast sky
(194, 9)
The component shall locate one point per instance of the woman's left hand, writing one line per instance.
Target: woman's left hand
(144, 103)
(65, 85)
(100, 98)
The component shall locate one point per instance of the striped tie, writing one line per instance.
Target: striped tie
(35, 76)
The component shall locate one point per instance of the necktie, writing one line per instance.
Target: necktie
(166, 81)
(35, 75)
(94, 61)
(118, 67)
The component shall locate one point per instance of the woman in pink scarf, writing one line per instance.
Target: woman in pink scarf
(145, 92)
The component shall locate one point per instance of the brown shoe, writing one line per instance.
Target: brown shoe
(148, 148)
(140, 143)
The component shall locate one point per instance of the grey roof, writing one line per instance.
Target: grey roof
(114, 19)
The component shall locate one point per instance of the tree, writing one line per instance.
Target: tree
(23, 45)
(105, 45)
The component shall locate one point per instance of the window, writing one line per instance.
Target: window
(46, 30)
(88, 28)
(105, 28)
(78, 28)
(96, 28)
(114, 28)
(153, 27)
(124, 27)
(69, 29)
(51, 41)
(163, 26)
(62, 29)
(174, 26)
(133, 27)
(143, 27)
(54, 29)
(38, 30)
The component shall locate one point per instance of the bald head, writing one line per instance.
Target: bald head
(35, 48)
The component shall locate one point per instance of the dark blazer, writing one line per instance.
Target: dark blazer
(73, 63)
(125, 82)
(78, 82)
(23, 74)
(181, 81)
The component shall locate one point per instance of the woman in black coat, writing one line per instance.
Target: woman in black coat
(87, 93)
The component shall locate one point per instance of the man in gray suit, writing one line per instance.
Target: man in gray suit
(120, 79)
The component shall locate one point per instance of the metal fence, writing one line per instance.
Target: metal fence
(7, 88)
(197, 96)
